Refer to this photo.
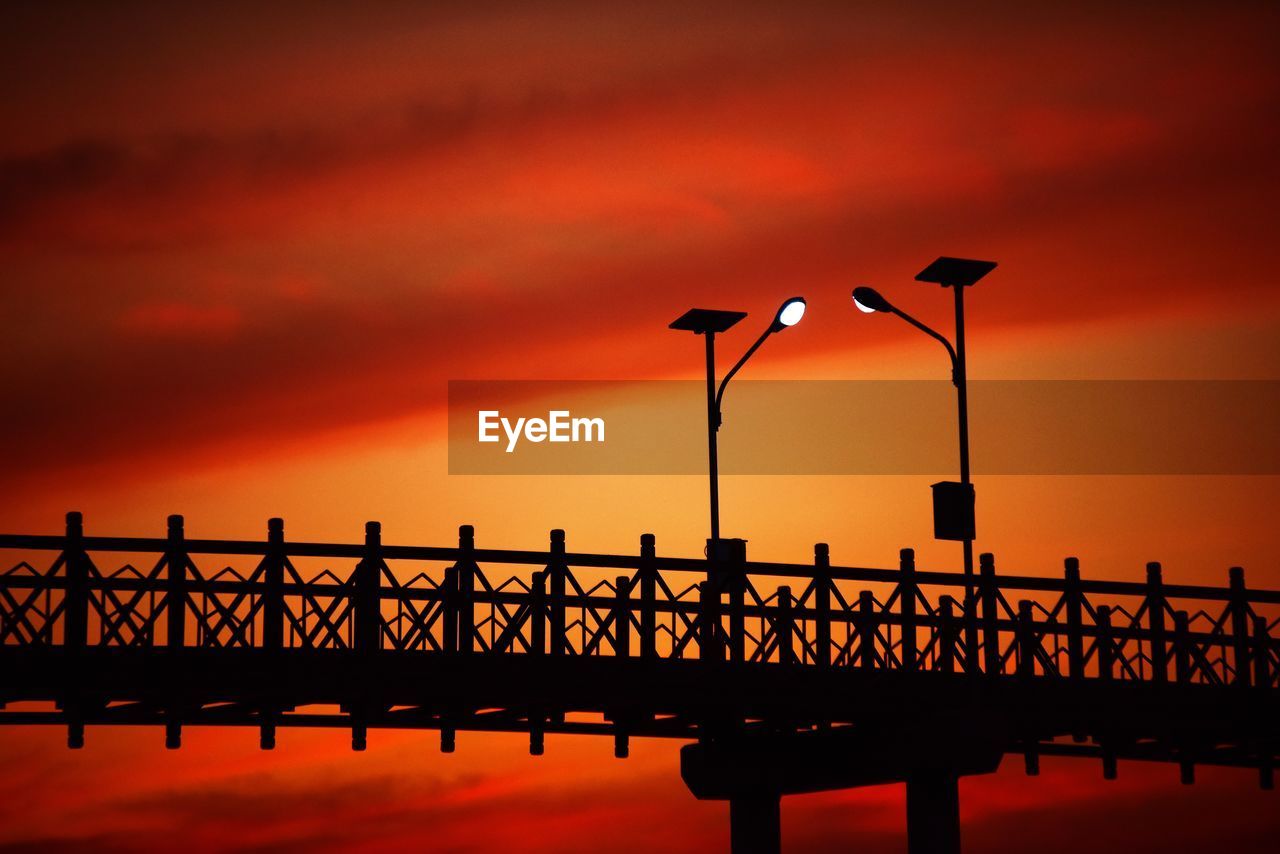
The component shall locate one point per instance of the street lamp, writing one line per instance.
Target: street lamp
(869, 301)
(709, 322)
(953, 516)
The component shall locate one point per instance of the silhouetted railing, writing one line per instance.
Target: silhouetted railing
(181, 593)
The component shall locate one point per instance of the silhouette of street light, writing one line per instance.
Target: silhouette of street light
(708, 322)
(869, 301)
(953, 513)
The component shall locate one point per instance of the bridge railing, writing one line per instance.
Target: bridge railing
(460, 600)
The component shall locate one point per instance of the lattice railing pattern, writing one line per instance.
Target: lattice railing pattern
(464, 600)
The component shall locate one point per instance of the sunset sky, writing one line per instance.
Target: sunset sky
(244, 249)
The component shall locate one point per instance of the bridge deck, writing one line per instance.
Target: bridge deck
(178, 632)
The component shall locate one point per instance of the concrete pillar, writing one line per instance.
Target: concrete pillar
(933, 814)
(755, 824)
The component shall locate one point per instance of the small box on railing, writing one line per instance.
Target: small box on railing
(727, 550)
(953, 516)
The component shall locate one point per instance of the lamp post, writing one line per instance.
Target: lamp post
(708, 322)
(953, 503)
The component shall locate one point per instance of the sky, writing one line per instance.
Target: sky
(245, 247)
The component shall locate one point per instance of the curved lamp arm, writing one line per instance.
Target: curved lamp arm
(773, 327)
(951, 351)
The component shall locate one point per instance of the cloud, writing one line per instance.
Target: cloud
(251, 360)
(553, 226)
(1066, 808)
(385, 812)
(181, 320)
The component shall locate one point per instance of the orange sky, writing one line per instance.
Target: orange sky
(243, 251)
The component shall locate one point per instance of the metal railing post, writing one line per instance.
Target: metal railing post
(733, 575)
(176, 617)
(449, 610)
(1075, 617)
(272, 618)
(466, 592)
(1261, 654)
(622, 617)
(648, 597)
(1155, 623)
(1262, 680)
(1026, 640)
(273, 587)
(1239, 605)
(946, 635)
(558, 570)
(448, 592)
(1181, 647)
(367, 607)
(176, 598)
(990, 614)
(972, 656)
(1106, 647)
(709, 647)
(785, 627)
(75, 620)
(822, 604)
(866, 629)
(907, 606)
(538, 614)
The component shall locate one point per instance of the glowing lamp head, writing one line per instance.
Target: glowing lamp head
(869, 300)
(790, 313)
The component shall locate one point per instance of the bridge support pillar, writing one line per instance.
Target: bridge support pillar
(752, 772)
(933, 814)
(755, 824)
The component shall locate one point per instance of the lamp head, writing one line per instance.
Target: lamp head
(789, 313)
(870, 301)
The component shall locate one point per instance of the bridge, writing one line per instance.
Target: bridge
(783, 678)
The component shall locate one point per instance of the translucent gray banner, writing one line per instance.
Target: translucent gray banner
(1017, 427)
